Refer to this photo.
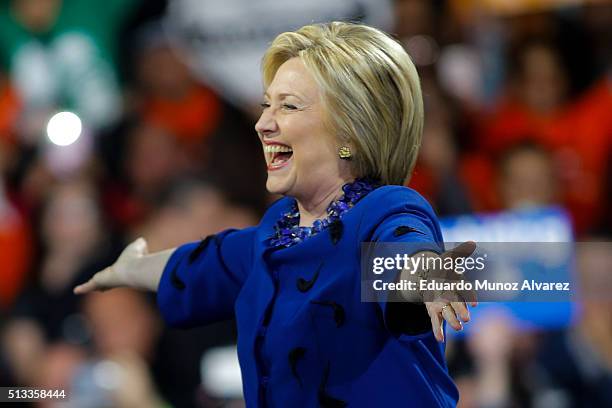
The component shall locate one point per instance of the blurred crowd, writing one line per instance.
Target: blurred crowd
(518, 100)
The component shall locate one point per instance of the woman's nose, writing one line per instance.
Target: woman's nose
(266, 123)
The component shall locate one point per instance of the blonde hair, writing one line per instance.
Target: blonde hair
(371, 93)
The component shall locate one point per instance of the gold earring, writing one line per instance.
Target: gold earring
(345, 153)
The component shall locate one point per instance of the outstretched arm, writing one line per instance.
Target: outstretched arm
(196, 283)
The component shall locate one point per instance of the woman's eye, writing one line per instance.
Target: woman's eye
(289, 106)
(264, 105)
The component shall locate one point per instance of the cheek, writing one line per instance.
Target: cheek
(316, 163)
(316, 148)
(311, 155)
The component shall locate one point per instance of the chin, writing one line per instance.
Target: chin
(280, 183)
(275, 186)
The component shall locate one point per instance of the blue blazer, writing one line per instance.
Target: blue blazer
(305, 338)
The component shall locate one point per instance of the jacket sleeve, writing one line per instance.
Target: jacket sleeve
(201, 281)
(407, 233)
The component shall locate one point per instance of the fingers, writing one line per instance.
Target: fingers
(469, 296)
(449, 314)
(100, 281)
(84, 288)
(436, 326)
(440, 311)
(461, 310)
(115, 275)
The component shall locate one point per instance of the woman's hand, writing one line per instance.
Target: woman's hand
(126, 271)
(451, 312)
(450, 305)
(442, 305)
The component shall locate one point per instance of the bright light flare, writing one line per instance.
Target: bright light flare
(64, 128)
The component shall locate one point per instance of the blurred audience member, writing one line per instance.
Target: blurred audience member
(123, 381)
(438, 174)
(538, 92)
(153, 160)
(192, 210)
(135, 363)
(499, 372)
(527, 178)
(583, 154)
(577, 364)
(577, 130)
(74, 244)
(122, 321)
(15, 248)
(413, 17)
(415, 27)
(605, 225)
(125, 333)
(491, 348)
(56, 369)
(597, 20)
(167, 94)
(23, 347)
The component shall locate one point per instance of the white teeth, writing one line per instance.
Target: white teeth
(277, 149)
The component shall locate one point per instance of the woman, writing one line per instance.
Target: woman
(340, 129)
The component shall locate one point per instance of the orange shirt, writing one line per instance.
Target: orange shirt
(14, 255)
(9, 109)
(192, 119)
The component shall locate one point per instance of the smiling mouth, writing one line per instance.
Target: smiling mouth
(277, 155)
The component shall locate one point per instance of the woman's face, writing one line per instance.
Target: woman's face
(301, 154)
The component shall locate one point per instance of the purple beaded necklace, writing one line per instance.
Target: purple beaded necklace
(287, 231)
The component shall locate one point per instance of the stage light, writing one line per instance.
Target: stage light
(64, 128)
